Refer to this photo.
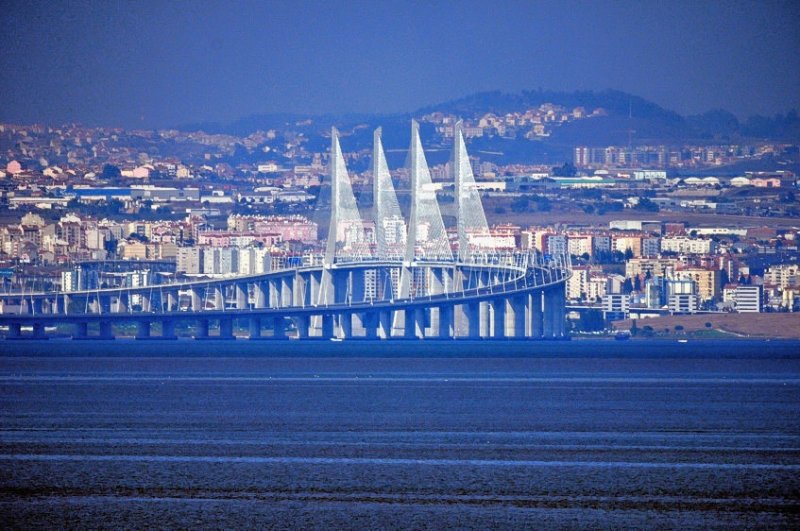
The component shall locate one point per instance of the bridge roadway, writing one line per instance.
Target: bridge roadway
(518, 298)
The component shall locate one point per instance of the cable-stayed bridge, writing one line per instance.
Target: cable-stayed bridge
(405, 279)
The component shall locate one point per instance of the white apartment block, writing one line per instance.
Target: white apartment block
(686, 245)
(579, 245)
(749, 299)
(783, 276)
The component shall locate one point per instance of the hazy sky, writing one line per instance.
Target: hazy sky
(158, 63)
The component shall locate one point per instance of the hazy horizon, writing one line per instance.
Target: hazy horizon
(159, 64)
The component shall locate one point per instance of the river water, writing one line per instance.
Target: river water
(408, 434)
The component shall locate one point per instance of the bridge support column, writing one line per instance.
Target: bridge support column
(315, 287)
(486, 324)
(358, 286)
(385, 323)
(168, 329)
(122, 303)
(226, 328)
(106, 330)
(370, 321)
(241, 296)
(302, 323)
(62, 304)
(560, 317)
(473, 320)
(14, 331)
(255, 327)
(327, 326)
(499, 314)
(279, 328)
(549, 314)
(172, 301)
(260, 292)
(537, 315)
(346, 325)
(81, 330)
(300, 293)
(197, 301)
(287, 285)
(201, 331)
(105, 304)
(219, 297)
(146, 302)
(446, 328)
(143, 329)
(38, 331)
(340, 285)
(414, 323)
(518, 309)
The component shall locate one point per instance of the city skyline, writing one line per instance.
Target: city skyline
(157, 64)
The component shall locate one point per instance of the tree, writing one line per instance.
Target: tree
(637, 283)
(520, 204)
(627, 286)
(110, 172)
(646, 205)
(565, 170)
(628, 254)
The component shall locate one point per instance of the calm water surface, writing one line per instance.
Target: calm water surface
(431, 435)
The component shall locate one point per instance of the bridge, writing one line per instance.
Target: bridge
(408, 279)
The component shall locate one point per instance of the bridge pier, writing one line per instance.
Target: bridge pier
(274, 293)
(196, 301)
(14, 331)
(255, 327)
(106, 330)
(287, 286)
(414, 323)
(143, 329)
(279, 328)
(38, 331)
(499, 313)
(226, 328)
(537, 315)
(385, 323)
(560, 318)
(446, 322)
(473, 320)
(146, 303)
(260, 292)
(168, 329)
(62, 304)
(327, 326)
(303, 324)
(81, 330)
(346, 325)
(518, 309)
(241, 296)
(201, 331)
(370, 323)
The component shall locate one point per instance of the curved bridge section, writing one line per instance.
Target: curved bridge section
(510, 296)
(410, 287)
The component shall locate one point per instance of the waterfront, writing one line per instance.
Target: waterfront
(420, 434)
